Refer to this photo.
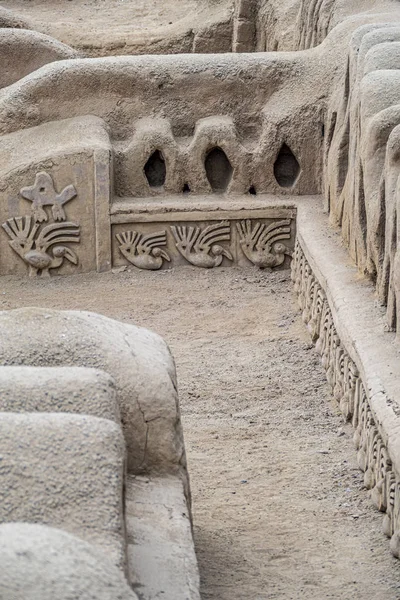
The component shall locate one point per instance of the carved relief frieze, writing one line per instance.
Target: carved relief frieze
(144, 251)
(43, 247)
(349, 390)
(203, 247)
(265, 243)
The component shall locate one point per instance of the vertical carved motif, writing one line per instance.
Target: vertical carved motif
(347, 386)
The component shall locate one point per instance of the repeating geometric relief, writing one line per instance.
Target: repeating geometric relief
(143, 251)
(262, 244)
(42, 248)
(199, 246)
(350, 392)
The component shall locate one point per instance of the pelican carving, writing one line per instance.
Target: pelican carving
(262, 244)
(144, 251)
(46, 250)
(201, 247)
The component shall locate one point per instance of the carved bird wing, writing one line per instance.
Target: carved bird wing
(20, 233)
(212, 234)
(278, 230)
(185, 237)
(152, 240)
(66, 195)
(129, 239)
(56, 233)
(249, 235)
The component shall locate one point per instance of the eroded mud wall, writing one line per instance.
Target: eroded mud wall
(361, 156)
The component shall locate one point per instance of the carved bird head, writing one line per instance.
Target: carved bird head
(218, 250)
(280, 248)
(159, 252)
(64, 252)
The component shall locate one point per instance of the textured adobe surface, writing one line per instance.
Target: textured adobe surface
(65, 471)
(42, 562)
(149, 163)
(73, 390)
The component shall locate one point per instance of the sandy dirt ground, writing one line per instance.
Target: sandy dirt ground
(279, 506)
(101, 27)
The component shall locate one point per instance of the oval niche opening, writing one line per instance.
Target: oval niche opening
(286, 167)
(155, 170)
(218, 170)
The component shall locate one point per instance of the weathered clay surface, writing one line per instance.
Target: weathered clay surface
(137, 359)
(48, 389)
(360, 364)
(228, 239)
(55, 197)
(160, 549)
(23, 51)
(65, 471)
(74, 471)
(112, 27)
(153, 162)
(43, 562)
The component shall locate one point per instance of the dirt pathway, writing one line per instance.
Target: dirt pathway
(279, 507)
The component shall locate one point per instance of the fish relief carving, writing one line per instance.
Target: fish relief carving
(200, 247)
(262, 244)
(144, 250)
(42, 193)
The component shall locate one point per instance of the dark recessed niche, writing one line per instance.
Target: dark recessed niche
(252, 190)
(155, 170)
(186, 189)
(218, 169)
(286, 167)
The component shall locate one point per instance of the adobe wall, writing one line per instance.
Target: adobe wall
(152, 162)
(93, 465)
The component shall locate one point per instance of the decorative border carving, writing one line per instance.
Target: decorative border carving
(263, 242)
(349, 390)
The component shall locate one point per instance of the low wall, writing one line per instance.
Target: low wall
(360, 358)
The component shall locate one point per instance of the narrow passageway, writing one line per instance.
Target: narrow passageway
(278, 501)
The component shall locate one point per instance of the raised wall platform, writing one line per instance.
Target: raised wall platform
(360, 356)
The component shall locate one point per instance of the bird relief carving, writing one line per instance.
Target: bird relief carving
(42, 247)
(42, 193)
(262, 244)
(200, 247)
(144, 250)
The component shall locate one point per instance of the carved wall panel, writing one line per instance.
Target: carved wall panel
(223, 238)
(55, 199)
(42, 247)
(350, 392)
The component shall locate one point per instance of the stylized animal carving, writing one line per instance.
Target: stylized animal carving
(144, 251)
(42, 193)
(35, 250)
(261, 243)
(200, 247)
